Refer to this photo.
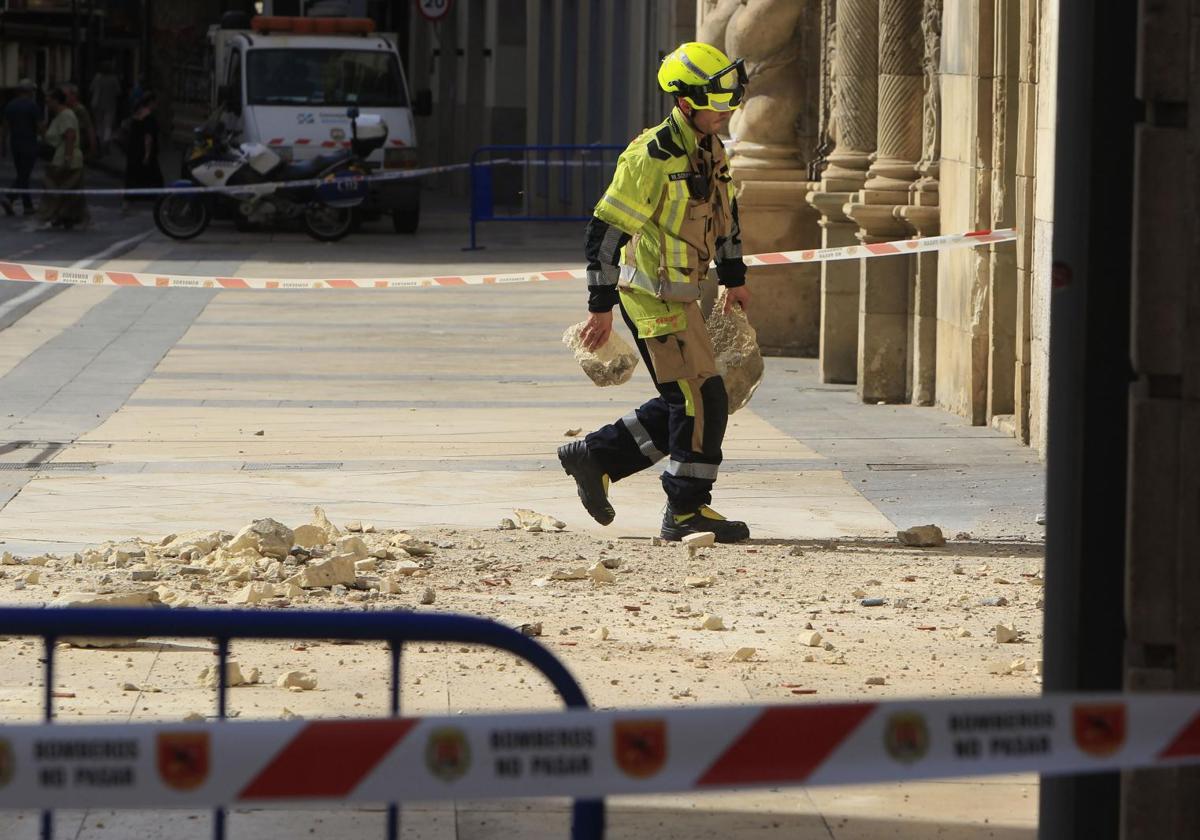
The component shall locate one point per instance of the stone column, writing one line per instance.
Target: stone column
(884, 282)
(774, 131)
(851, 32)
(924, 218)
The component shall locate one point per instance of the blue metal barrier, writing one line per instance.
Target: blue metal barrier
(395, 628)
(594, 164)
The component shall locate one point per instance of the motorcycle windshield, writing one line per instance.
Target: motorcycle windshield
(329, 77)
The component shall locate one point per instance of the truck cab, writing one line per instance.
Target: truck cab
(289, 82)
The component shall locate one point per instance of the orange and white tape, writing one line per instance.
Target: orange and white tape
(588, 754)
(31, 273)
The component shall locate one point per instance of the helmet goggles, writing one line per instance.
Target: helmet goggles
(713, 94)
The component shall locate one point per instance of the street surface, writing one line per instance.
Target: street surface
(148, 412)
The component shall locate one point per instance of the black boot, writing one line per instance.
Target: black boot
(676, 526)
(590, 480)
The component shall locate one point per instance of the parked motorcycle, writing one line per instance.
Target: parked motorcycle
(326, 208)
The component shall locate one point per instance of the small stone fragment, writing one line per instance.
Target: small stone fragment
(699, 582)
(876, 681)
(963, 633)
(338, 570)
(208, 677)
(253, 593)
(265, 536)
(507, 524)
(428, 596)
(368, 565)
(873, 602)
(810, 639)
(600, 633)
(578, 573)
(1006, 635)
(702, 540)
(994, 601)
(599, 573)
(297, 680)
(572, 432)
(795, 551)
(743, 654)
(922, 536)
(712, 622)
(859, 593)
(354, 526)
(531, 520)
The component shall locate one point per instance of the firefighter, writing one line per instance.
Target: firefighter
(668, 212)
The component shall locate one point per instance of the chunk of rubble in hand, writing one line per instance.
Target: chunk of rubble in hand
(531, 520)
(265, 536)
(921, 536)
(297, 681)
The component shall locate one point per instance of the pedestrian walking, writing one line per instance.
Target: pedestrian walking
(64, 170)
(105, 97)
(19, 137)
(88, 142)
(669, 210)
(141, 149)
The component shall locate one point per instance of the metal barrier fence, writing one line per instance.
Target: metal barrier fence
(554, 176)
(395, 628)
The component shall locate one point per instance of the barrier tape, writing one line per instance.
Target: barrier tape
(30, 273)
(251, 189)
(587, 753)
(268, 187)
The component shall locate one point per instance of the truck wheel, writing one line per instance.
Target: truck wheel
(406, 218)
(328, 224)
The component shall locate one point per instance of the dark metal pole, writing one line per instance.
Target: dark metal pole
(1090, 372)
(75, 68)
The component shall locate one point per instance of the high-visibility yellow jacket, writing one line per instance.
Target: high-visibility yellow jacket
(668, 212)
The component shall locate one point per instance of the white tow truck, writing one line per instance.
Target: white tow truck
(289, 82)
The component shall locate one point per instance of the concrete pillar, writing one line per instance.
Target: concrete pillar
(884, 283)
(1027, 92)
(775, 131)
(855, 77)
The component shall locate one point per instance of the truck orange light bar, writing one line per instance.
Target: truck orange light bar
(266, 24)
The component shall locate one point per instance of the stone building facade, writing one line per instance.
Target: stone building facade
(874, 120)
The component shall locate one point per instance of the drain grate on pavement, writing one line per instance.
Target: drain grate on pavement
(914, 467)
(292, 465)
(51, 466)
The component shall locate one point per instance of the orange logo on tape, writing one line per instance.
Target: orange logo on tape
(447, 754)
(906, 737)
(1100, 728)
(640, 746)
(183, 759)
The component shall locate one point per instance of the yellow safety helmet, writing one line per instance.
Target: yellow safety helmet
(704, 76)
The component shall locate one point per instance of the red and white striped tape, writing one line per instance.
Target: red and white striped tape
(589, 754)
(31, 273)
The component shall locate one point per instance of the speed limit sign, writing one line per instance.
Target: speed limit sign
(434, 10)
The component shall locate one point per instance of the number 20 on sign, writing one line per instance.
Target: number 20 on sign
(434, 10)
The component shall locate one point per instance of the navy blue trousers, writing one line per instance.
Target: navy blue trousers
(662, 428)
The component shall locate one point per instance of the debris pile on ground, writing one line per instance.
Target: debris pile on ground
(648, 619)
